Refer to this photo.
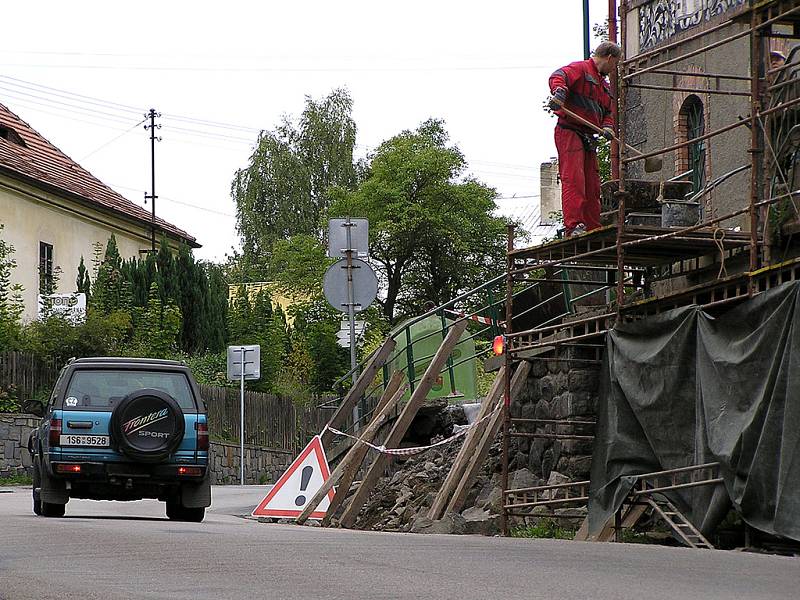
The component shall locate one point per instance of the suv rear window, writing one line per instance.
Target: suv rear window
(103, 389)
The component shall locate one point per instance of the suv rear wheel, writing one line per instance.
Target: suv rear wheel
(45, 509)
(177, 512)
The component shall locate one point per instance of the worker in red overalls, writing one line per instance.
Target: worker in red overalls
(582, 88)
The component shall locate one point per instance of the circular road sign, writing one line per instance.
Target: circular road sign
(365, 285)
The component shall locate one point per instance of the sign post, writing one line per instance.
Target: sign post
(244, 362)
(356, 288)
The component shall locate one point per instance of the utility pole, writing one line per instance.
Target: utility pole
(152, 197)
(586, 29)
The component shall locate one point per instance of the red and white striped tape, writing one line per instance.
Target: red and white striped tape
(484, 320)
(414, 450)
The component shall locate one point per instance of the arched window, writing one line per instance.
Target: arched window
(692, 121)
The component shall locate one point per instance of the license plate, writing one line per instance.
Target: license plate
(85, 440)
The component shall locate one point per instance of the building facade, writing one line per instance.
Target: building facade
(54, 213)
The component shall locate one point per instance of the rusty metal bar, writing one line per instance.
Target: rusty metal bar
(708, 47)
(561, 325)
(667, 88)
(783, 106)
(677, 470)
(670, 46)
(679, 486)
(507, 372)
(553, 421)
(552, 436)
(547, 488)
(706, 75)
(623, 151)
(547, 502)
(755, 147)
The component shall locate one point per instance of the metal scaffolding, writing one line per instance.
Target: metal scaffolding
(632, 256)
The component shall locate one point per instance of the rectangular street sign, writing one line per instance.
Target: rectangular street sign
(337, 237)
(252, 362)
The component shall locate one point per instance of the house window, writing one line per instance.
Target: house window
(692, 119)
(45, 268)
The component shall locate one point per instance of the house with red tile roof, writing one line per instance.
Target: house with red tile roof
(54, 211)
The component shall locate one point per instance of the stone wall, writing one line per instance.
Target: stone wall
(262, 465)
(14, 431)
(563, 390)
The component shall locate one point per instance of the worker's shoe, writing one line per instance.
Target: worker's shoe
(578, 230)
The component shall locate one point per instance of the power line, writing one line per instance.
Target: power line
(235, 69)
(111, 141)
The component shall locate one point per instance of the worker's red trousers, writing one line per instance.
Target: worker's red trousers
(580, 181)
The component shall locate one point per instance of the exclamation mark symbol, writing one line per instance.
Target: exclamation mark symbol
(305, 477)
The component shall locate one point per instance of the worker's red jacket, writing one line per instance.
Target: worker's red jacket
(589, 95)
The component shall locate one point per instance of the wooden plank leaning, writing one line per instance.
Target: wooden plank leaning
(465, 453)
(359, 387)
(352, 460)
(482, 450)
(404, 420)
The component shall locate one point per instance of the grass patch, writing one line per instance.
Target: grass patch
(544, 528)
(16, 480)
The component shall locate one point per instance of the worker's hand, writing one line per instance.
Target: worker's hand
(608, 133)
(558, 99)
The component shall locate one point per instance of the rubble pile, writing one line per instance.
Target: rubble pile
(401, 500)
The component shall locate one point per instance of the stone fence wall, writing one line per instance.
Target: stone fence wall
(262, 465)
(14, 431)
(565, 388)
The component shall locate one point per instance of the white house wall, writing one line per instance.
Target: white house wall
(31, 216)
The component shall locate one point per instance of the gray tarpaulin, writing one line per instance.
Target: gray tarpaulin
(684, 388)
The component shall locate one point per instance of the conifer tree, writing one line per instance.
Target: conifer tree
(83, 284)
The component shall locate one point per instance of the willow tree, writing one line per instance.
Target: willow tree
(283, 191)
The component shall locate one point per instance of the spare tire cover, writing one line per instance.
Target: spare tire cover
(147, 425)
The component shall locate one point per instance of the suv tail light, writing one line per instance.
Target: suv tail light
(202, 436)
(54, 438)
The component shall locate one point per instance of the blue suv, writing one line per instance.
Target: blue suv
(123, 429)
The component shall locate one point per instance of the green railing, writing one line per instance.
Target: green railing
(484, 306)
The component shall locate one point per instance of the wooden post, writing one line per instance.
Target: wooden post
(391, 396)
(401, 425)
(465, 453)
(490, 433)
(359, 387)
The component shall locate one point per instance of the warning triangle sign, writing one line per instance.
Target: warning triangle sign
(298, 484)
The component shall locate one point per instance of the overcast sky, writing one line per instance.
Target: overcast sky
(84, 73)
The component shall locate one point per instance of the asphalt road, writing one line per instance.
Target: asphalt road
(115, 550)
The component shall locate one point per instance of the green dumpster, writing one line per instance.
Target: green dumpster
(457, 383)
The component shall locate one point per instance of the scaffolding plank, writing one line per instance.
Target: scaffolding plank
(490, 432)
(467, 448)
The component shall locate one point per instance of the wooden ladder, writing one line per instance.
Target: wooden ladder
(687, 532)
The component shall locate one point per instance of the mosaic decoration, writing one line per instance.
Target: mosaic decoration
(661, 19)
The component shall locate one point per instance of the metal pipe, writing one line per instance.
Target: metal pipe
(704, 75)
(755, 146)
(671, 45)
(623, 168)
(708, 47)
(612, 37)
(668, 88)
(507, 372)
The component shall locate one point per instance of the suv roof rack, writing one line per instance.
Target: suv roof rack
(125, 359)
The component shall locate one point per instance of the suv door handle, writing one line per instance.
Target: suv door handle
(79, 424)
